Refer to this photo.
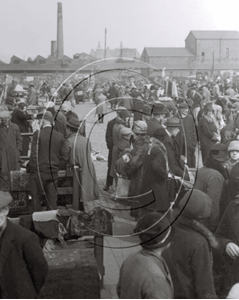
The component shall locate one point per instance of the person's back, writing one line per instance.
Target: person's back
(150, 278)
(49, 143)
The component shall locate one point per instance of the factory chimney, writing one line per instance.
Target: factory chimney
(60, 48)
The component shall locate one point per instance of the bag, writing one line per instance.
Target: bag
(122, 187)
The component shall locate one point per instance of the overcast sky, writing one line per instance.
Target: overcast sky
(27, 27)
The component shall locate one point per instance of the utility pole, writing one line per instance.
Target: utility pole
(105, 43)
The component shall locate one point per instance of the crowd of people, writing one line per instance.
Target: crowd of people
(190, 235)
(155, 151)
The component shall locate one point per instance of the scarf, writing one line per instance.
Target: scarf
(201, 229)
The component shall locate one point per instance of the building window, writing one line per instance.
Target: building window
(203, 56)
(227, 52)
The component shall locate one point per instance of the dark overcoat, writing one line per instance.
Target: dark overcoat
(23, 267)
(10, 148)
(206, 131)
(153, 125)
(154, 182)
(189, 260)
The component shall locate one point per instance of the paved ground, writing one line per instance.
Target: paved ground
(121, 244)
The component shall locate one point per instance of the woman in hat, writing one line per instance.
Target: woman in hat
(233, 153)
(21, 118)
(144, 274)
(101, 108)
(208, 132)
(189, 256)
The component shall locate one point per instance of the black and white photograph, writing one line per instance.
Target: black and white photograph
(119, 149)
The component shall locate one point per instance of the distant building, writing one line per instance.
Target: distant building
(204, 52)
(99, 53)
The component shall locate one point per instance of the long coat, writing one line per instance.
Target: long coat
(211, 181)
(32, 97)
(189, 260)
(101, 108)
(21, 119)
(80, 155)
(154, 182)
(187, 136)
(23, 267)
(206, 132)
(10, 148)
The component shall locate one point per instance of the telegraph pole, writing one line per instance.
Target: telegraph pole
(105, 43)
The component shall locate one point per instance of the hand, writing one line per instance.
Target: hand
(232, 250)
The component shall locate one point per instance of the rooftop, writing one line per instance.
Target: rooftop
(156, 51)
(215, 34)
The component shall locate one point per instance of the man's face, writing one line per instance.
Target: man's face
(184, 111)
(3, 215)
(234, 155)
(4, 122)
(175, 131)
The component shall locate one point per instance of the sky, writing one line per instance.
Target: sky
(27, 27)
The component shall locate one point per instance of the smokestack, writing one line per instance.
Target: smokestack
(53, 48)
(60, 48)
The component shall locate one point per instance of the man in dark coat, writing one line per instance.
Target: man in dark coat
(113, 95)
(158, 114)
(110, 145)
(21, 118)
(23, 267)
(187, 136)
(211, 179)
(189, 256)
(59, 118)
(49, 153)
(154, 187)
(10, 149)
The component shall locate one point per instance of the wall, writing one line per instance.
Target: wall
(219, 48)
(170, 62)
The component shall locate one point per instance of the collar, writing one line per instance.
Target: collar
(46, 126)
(3, 227)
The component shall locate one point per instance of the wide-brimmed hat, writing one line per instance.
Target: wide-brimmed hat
(5, 199)
(218, 152)
(140, 127)
(5, 114)
(47, 115)
(173, 122)
(74, 123)
(195, 204)
(154, 231)
(158, 109)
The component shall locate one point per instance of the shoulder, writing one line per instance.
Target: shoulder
(14, 126)
(20, 233)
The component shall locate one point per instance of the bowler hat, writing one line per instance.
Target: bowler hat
(5, 199)
(154, 231)
(123, 114)
(73, 123)
(195, 204)
(173, 122)
(47, 115)
(158, 109)
(218, 152)
(5, 114)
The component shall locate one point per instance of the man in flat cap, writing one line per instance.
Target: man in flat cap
(49, 153)
(23, 267)
(10, 149)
